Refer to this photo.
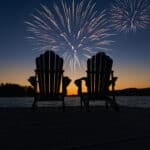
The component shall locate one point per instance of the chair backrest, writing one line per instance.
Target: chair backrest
(98, 74)
(49, 73)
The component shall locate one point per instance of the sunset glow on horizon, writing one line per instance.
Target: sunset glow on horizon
(126, 79)
(130, 51)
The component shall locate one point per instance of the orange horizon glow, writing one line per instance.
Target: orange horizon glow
(72, 89)
(128, 77)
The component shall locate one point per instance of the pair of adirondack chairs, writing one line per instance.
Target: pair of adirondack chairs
(50, 84)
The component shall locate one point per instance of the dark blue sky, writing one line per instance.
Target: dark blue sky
(130, 52)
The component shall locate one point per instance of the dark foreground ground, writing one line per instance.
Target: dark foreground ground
(23, 129)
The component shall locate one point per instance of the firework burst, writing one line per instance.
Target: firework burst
(130, 15)
(74, 30)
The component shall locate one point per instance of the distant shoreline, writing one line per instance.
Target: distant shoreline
(15, 90)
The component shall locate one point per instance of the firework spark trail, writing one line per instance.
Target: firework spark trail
(75, 30)
(130, 15)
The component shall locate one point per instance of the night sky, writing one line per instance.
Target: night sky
(130, 52)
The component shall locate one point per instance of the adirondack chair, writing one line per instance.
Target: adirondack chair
(99, 78)
(49, 83)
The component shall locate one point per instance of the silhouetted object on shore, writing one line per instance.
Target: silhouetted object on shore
(49, 82)
(99, 72)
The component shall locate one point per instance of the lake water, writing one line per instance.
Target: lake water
(130, 101)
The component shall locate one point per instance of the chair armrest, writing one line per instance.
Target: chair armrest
(65, 82)
(113, 80)
(32, 80)
(78, 83)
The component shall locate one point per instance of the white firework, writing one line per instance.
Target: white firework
(130, 15)
(76, 30)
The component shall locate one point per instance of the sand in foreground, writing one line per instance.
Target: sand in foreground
(23, 129)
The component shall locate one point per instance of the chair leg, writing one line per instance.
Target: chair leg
(34, 105)
(116, 106)
(87, 108)
(63, 105)
(106, 105)
(113, 103)
(85, 101)
(81, 104)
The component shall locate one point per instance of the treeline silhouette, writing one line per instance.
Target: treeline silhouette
(133, 92)
(15, 90)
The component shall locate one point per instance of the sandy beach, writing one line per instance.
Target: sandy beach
(52, 129)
